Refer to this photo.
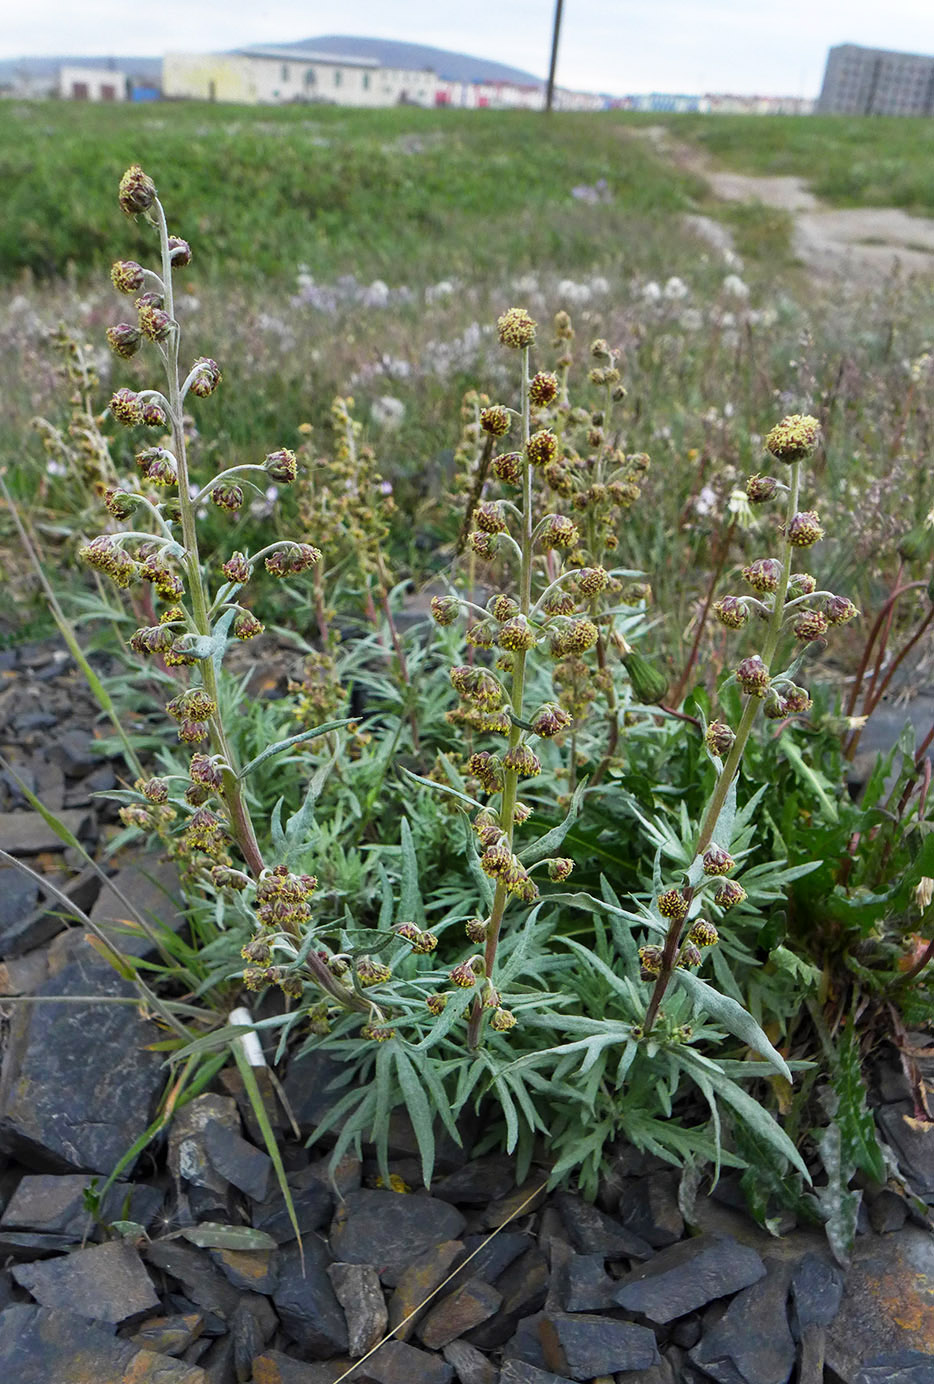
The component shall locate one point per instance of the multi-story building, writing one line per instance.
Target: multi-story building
(873, 81)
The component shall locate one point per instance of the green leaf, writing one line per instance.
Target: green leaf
(859, 1144)
(760, 1122)
(733, 1016)
(411, 907)
(130, 1230)
(416, 1103)
(258, 1106)
(443, 788)
(816, 782)
(298, 739)
(839, 1205)
(547, 844)
(213, 1235)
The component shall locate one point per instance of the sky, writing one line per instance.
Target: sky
(615, 46)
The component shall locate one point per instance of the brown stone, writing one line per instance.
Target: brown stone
(106, 1283)
(466, 1307)
(358, 1291)
(422, 1277)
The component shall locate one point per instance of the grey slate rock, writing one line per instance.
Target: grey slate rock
(205, 1286)
(478, 1182)
(239, 1162)
(752, 1340)
(579, 1282)
(687, 1276)
(312, 1202)
(898, 1367)
(470, 1365)
(887, 1212)
(19, 894)
(275, 1367)
(416, 1282)
(39, 1345)
(397, 1363)
(649, 1208)
(390, 1229)
(152, 886)
(358, 1291)
(55, 1204)
(584, 1346)
(913, 1144)
(496, 1255)
(106, 1283)
(168, 1335)
(306, 1088)
(255, 1271)
(61, 1105)
(520, 1372)
(524, 1287)
(817, 1287)
(26, 833)
(308, 1308)
(594, 1232)
(526, 1342)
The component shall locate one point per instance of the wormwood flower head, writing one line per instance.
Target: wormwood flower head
(764, 574)
(377, 1033)
(578, 636)
(154, 322)
(124, 339)
(516, 635)
(237, 569)
(650, 959)
(488, 769)
(760, 488)
(550, 720)
(796, 699)
(154, 790)
(516, 328)
(281, 466)
(121, 503)
(126, 408)
(495, 860)
(246, 626)
(137, 191)
(195, 705)
(732, 612)
(542, 447)
(690, 955)
(496, 420)
(436, 1004)
(292, 559)
(805, 529)
(371, 972)
(488, 516)
(560, 868)
(703, 933)
(810, 625)
(229, 497)
(802, 583)
(794, 438)
(476, 929)
(592, 580)
(476, 685)
(543, 389)
(753, 676)
(717, 861)
(152, 415)
(482, 635)
(180, 252)
(774, 706)
(507, 467)
(103, 554)
(445, 609)
(522, 761)
(839, 609)
(484, 544)
(559, 603)
(719, 738)
(157, 466)
(464, 975)
(127, 276)
(673, 905)
(729, 895)
(558, 532)
(503, 1020)
(206, 376)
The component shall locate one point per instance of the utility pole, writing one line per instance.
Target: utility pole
(550, 94)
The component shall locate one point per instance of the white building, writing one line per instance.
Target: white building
(279, 76)
(91, 84)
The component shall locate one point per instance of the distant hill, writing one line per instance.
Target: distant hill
(454, 67)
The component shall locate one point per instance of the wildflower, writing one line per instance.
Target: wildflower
(487, 768)
(719, 738)
(753, 676)
(228, 497)
(370, 972)
(476, 929)
(516, 635)
(488, 516)
(476, 685)
(802, 583)
(794, 438)
(445, 609)
(543, 388)
(774, 706)
(796, 700)
(137, 191)
(760, 488)
(483, 544)
(717, 861)
(104, 554)
(732, 612)
(482, 635)
(516, 328)
(237, 569)
(377, 1033)
(503, 1020)
(839, 609)
(281, 466)
(560, 869)
(124, 339)
(157, 466)
(206, 376)
(154, 790)
(126, 408)
(292, 559)
(508, 467)
(464, 975)
(495, 420)
(195, 704)
(729, 895)
(690, 955)
(804, 529)
(154, 323)
(559, 603)
(550, 720)
(204, 832)
(703, 934)
(152, 415)
(558, 532)
(121, 503)
(542, 447)
(522, 761)
(127, 276)
(495, 861)
(179, 252)
(673, 905)
(650, 959)
(810, 625)
(764, 574)
(436, 1004)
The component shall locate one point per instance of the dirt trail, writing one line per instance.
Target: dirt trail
(853, 242)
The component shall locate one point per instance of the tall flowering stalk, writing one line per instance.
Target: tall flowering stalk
(783, 599)
(194, 627)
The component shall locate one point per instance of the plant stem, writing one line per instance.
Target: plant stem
(510, 777)
(233, 793)
(677, 694)
(731, 767)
